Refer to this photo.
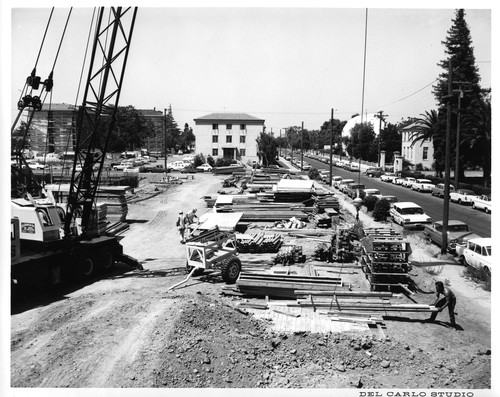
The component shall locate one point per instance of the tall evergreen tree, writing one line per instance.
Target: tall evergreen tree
(465, 78)
(267, 149)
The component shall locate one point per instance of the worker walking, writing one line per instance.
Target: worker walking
(190, 219)
(181, 226)
(448, 300)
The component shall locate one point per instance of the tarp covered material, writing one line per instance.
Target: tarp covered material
(294, 184)
(225, 221)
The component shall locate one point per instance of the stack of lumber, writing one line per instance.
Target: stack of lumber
(228, 170)
(323, 220)
(258, 243)
(283, 286)
(324, 201)
(98, 220)
(116, 203)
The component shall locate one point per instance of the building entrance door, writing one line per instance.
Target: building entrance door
(228, 153)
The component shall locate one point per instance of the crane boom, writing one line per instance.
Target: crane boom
(97, 113)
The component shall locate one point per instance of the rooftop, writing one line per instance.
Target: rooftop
(228, 117)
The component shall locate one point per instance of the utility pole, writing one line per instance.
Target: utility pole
(457, 143)
(446, 204)
(280, 142)
(381, 117)
(331, 148)
(165, 138)
(302, 147)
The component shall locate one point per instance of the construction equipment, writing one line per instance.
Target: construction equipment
(212, 249)
(57, 242)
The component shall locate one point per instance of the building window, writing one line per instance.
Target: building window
(215, 152)
(243, 126)
(243, 152)
(243, 139)
(229, 126)
(229, 139)
(215, 138)
(425, 153)
(215, 126)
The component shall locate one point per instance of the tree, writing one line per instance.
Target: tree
(267, 149)
(390, 141)
(359, 145)
(173, 132)
(477, 136)
(130, 130)
(186, 138)
(465, 77)
(431, 126)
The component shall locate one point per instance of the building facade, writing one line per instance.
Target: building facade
(420, 152)
(228, 135)
(52, 129)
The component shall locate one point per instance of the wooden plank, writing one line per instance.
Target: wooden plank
(286, 313)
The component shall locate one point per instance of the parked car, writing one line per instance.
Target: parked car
(462, 196)
(482, 202)
(204, 167)
(398, 180)
(422, 185)
(354, 167)
(306, 166)
(476, 253)
(124, 164)
(408, 213)
(343, 184)
(153, 168)
(374, 172)
(336, 180)
(458, 233)
(34, 165)
(178, 165)
(408, 181)
(352, 189)
(391, 199)
(371, 192)
(438, 190)
(387, 176)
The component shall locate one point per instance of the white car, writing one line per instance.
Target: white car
(371, 192)
(462, 196)
(476, 253)
(204, 167)
(36, 166)
(422, 185)
(388, 177)
(336, 181)
(482, 202)
(343, 184)
(408, 181)
(408, 213)
(398, 181)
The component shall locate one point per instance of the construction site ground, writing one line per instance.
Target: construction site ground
(126, 330)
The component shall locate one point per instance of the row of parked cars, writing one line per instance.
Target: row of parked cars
(470, 248)
(459, 196)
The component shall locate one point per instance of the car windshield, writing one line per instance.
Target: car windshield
(487, 250)
(412, 211)
(458, 228)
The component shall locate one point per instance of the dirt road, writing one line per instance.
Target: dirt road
(127, 331)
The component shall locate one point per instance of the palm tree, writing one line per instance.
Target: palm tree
(429, 127)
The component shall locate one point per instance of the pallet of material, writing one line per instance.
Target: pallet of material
(258, 242)
(282, 286)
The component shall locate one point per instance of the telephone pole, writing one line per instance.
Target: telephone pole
(381, 116)
(446, 204)
(331, 148)
(302, 147)
(460, 92)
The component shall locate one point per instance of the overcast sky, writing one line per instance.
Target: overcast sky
(284, 65)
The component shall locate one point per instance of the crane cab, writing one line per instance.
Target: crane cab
(39, 220)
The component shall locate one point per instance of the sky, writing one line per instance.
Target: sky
(286, 65)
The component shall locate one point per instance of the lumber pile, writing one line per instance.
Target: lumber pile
(228, 170)
(98, 220)
(323, 201)
(258, 242)
(283, 286)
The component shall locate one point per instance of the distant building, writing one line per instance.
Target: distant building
(228, 135)
(52, 129)
(420, 152)
(367, 119)
(155, 143)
